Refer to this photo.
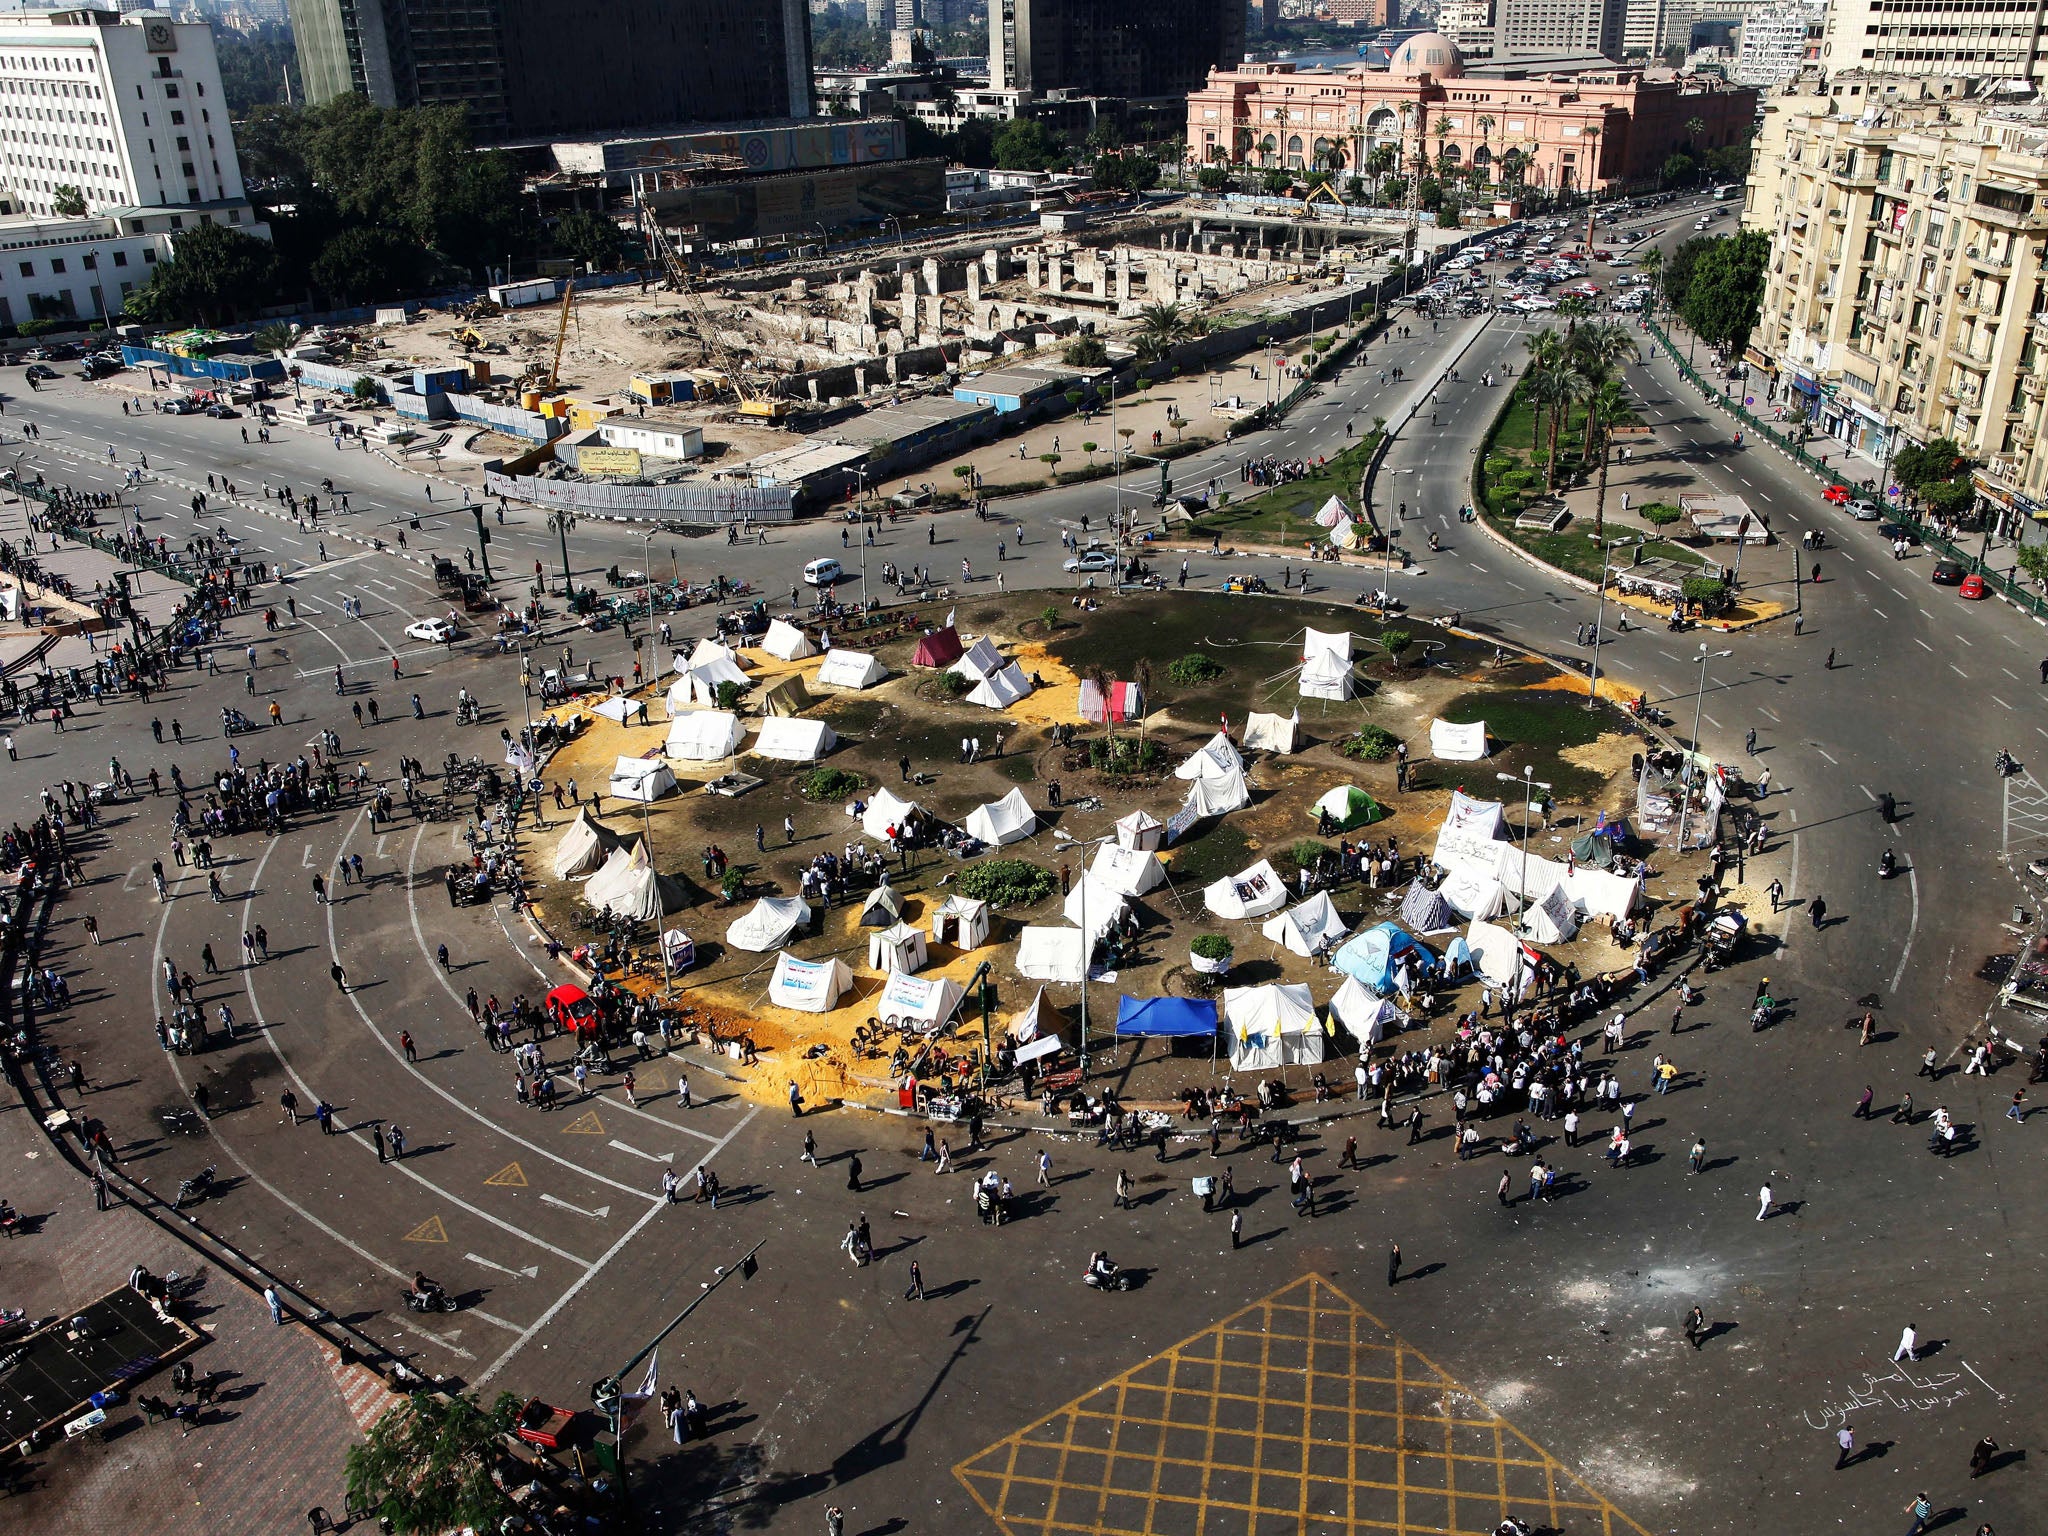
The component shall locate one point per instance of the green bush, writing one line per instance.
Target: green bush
(1396, 641)
(1210, 946)
(1125, 754)
(1006, 882)
(730, 694)
(1371, 744)
(1661, 514)
(1709, 594)
(956, 684)
(1193, 670)
(828, 784)
(1307, 853)
(732, 883)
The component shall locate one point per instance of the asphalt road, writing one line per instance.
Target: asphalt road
(826, 1386)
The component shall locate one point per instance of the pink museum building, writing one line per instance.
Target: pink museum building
(1602, 126)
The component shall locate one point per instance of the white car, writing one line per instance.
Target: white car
(435, 631)
(1864, 511)
(1091, 560)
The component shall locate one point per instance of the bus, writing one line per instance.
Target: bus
(1728, 194)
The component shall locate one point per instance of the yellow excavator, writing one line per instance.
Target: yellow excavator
(752, 402)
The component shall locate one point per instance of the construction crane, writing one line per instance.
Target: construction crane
(752, 401)
(561, 331)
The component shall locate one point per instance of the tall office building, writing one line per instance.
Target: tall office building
(527, 69)
(1773, 47)
(127, 109)
(1128, 48)
(1937, 37)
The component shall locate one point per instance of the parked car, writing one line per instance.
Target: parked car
(1864, 511)
(41, 371)
(1091, 560)
(822, 573)
(1897, 531)
(1947, 573)
(1972, 587)
(1838, 494)
(221, 411)
(436, 631)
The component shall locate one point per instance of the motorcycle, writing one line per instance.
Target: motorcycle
(1102, 1275)
(195, 1189)
(2006, 764)
(1887, 865)
(433, 1300)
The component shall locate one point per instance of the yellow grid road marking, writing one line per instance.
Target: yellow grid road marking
(1262, 1391)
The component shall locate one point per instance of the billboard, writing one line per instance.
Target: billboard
(608, 461)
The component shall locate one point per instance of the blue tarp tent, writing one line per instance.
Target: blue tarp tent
(1457, 957)
(1165, 1016)
(1373, 955)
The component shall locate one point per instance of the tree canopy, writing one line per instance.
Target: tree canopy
(426, 1464)
(1126, 173)
(1939, 474)
(215, 274)
(1727, 287)
(1023, 144)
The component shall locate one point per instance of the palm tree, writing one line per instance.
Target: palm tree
(1544, 348)
(1443, 136)
(1602, 351)
(1574, 309)
(1160, 326)
(1607, 407)
(1570, 384)
(1485, 123)
(1651, 263)
(1381, 163)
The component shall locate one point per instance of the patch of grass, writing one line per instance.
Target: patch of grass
(1307, 853)
(1285, 513)
(1571, 550)
(1211, 946)
(1533, 729)
(823, 785)
(1193, 670)
(1006, 882)
(1121, 755)
(1370, 744)
(1221, 851)
(1018, 768)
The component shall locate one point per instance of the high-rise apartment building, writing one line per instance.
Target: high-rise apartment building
(1907, 295)
(1560, 27)
(1972, 38)
(126, 109)
(1774, 39)
(1130, 48)
(527, 69)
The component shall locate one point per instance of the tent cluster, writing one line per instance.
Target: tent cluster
(1267, 1027)
(997, 684)
(698, 677)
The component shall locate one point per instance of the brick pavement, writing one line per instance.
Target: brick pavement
(270, 1448)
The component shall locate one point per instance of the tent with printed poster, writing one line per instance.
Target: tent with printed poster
(809, 986)
(1127, 871)
(1252, 892)
(850, 669)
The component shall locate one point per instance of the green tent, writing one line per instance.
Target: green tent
(1348, 806)
(1593, 851)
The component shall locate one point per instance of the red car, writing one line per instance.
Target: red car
(573, 1011)
(1973, 588)
(1838, 494)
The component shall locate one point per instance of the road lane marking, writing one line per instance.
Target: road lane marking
(1823, 751)
(1912, 926)
(531, 1272)
(2000, 702)
(1959, 672)
(599, 1214)
(652, 1157)
(1879, 611)
(1922, 643)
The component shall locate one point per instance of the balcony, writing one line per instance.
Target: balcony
(1983, 261)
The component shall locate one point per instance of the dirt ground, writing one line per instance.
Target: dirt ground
(1588, 755)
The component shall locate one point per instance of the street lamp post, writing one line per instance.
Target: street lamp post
(1600, 616)
(562, 522)
(1698, 704)
(1066, 842)
(1530, 784)
(483, 537)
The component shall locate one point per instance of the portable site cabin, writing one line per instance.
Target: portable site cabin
(584, 846)
(703, 735)
(1007, 820)
(768, 924)
(940, 648)
(1272, 1026)
(1139, 832)
(789, 740)
(1250, 893)
(898, 948)
(641, 779)
(849, 669)
(1308, 926)
(809, 986)
(1271, 733)
(960, 921)
(1127, 871)
(785, 642)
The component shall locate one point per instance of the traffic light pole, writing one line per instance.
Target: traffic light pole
(483, 537)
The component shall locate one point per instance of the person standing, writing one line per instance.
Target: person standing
(1695, 1327)
(1236, 1229)
(276, 1307)
(835, 1520)
(810, 1152)
(1982, 1455)
(1045, 1170)
(397, 1144)
(1763, 1202)
(377, 1140)
(1122, 1199)
(853, 1171)
(1909, 1346)
(796, 1099)
(1394, 1265)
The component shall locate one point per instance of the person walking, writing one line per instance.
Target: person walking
(853, 1172)
(1122, 1199)
(271, 1301)
(1817, 909)
(1863, 1104)
(1394, 1265)
(810, 1151)
(1922, 1511)
(915, 1292)
(1763, 1202)
(835, 1520)
(1696, 1158)
(1845, 1444)
(2014, 1112)
(1045, 1170)
(1695, 1327)
(1982, 1455)
(796, 1100)
(1909, 1346)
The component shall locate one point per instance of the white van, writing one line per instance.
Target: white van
(822, 573)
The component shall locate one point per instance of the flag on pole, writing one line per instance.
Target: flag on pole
(631, 1403)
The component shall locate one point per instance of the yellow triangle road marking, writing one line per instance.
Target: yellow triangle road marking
(511, 1176)
(428, 1231)
(585, 1124)
(653, 1081)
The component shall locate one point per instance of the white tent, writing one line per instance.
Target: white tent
(1250, 893)
(1000, 689)
(1498, 955)
(885, 810)
(791, 740)
(960, 921)
(704, 735)
(1369, 1018)
(785, 642)
(708, 652)
(679, 695)
(849, 669)
(583, 846)
(918, 1002)
(980, 661)
(1271, 733)
(1316, 642)
(1127, 871)
(622, 710)
(1051, 954)
(1271, 1026)
(1304, 927)
(882, 907)
(1325, 675)
(1350, 535)
(1039, 1017)
(630, 887)
(1476, 894)
(1333, 512)
(1457, 743)
(809, 986)
(900, 948)
(705, 677)
(641, 778)
(768, 924)
(1105, 907)
(1552, 919)
(1216, 759)
(1140, 832)
(1007, 820)
(1471, 833)
(1219, 795)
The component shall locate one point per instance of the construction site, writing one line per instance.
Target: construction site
(820, 377)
